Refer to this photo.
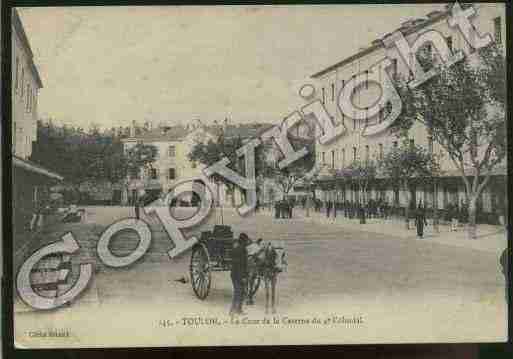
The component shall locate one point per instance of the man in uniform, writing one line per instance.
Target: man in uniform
(420, 220)
(239, 272)
(138, 203)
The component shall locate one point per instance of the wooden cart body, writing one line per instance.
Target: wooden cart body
(212, 253)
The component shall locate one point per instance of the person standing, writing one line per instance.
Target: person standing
(361, 212)
(140, 201)
(386, 210)
(277, 209)
(137, 209)
(452, 214)
(239, 272)
(420, 220)
(37, 217)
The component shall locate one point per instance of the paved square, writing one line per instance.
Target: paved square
(450, 292)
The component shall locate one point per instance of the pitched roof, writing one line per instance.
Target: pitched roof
(433, 17)
(179, 132)
(171, 133)
(243, 131)
(18, 26)
(34, 167)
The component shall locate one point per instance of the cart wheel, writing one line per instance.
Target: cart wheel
(254, 284)
(200, 271)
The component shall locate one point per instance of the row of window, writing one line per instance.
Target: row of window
(497, 26)
(154, 174)
(25, 90)
(447, 195)
(354, 154)
(343, 82)
(171, 173)
(171, 151)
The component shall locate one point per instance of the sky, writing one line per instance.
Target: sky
(111, 65)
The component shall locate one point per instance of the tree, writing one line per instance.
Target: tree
(289, 177)
(271, 192)
(266, 158)
(91, 157)
(463, 108)
(141, 156)
(286, 178)
(78, 156)
(362, 173)
(406, 163)
(213, 151)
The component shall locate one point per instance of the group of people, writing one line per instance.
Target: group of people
(284, 208)
(355, 209)
(371, 209)
(458, 212)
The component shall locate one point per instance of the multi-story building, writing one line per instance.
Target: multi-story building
(26, 83)
(173, 144)
(30, 180)
(172, 164)
(490, 18)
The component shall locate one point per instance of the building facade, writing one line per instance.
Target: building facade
(26, 84)
(172, 163)
(30, 181)
(173, 145)
(489, 18)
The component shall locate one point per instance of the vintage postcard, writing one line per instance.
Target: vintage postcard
(259, 175)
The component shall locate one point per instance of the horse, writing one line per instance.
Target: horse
(265, 262)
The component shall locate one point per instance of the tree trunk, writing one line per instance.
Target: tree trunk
(407, 208)
(436, 227)
(472, 206)
(362, 204)
(219, 205)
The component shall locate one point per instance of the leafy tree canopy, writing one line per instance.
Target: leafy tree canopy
(85, 156)
(409, 161)
(463, 108)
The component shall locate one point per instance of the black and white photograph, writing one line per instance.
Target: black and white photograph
(189, 176)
